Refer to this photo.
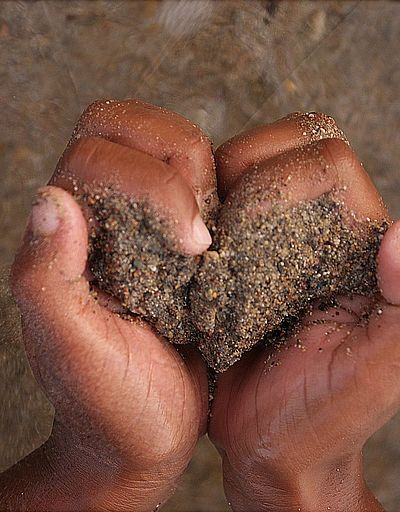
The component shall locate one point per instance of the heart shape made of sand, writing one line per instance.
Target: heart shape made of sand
(264, 270)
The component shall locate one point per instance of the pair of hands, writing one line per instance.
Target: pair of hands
(130, 407)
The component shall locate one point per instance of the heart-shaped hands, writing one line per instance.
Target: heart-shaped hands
(291, 231)
(129, 408)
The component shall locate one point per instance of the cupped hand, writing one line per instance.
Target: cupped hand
(290, 424)
(129, 408)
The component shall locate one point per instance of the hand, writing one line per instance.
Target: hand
(129, 408)
(290, 425)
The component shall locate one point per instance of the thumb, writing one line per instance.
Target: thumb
(52, 295)
(389, 265)
(54, 251)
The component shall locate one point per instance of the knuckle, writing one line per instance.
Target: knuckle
(82, 151)
(96, 113)
(313, 120)
(325, 119)
(317, 126)
(317, 117)
(172, 179)
(98, 107)
(199, 147)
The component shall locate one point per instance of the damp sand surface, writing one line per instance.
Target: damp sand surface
(260, 276)
(268, 269)
(134, 256)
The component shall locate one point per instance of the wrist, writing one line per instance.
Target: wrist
(336, 487)
(65, 474)
(101, 479)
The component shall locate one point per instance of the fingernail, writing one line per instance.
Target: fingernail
(201, 235)
(45, 218)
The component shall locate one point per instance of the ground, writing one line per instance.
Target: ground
(227, 66)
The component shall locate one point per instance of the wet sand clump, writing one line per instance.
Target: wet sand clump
(262, 272)
(267, 269)
(134, 257)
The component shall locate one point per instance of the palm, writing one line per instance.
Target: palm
(160, 405)
(315, 394)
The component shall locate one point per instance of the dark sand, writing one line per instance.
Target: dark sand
(267, 270)
(134, 257)
(262, 272)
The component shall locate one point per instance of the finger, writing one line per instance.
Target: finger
(47, 272)
(247, 150)
(389, 265)
(98, 162)
(55, 217)
(163, 134)
(306, 173)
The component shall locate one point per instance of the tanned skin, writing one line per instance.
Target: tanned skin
(130, 408)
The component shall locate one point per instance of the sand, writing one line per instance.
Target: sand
(134, 257)
(266, 271)
(260, 276)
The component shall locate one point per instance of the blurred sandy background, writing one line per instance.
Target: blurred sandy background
(227, 65)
